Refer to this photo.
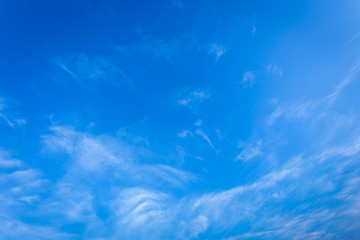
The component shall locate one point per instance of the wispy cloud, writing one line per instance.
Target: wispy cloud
(101, 155)
(86, 70)
(351, 76)
(302, 109)
(185, 133)
(181, 174)
(248, 79)
(20, 188)
(298, 110)
(149, 199)
(198, 131)
(327, 167)
(145, 199)
(192, 98)
(343, 149)
(15, 229)
(250, 151)
(217, 50)
(7, 116)
(274, 69)
(96, 158)
(73, 198)
(143, 206)
(6, 161)
(205, 137)
(253, 31)
(198, 123)
(138, 209)
(215, 208)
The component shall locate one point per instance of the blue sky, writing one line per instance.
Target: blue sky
(179, 119)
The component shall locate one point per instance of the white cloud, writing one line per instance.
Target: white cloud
(141, 202)
(134, 200)
(138, 206)
(205, 137)
(72, 200)
(20, 122)
(349, 148)
(175, 177)
(312, 181)
(14, 229)
(7, 117)
(253, 31)
(142, 213)
(87, 71)
(198, 225)
(198, 123)
(7, 162)
(351, 76)
(298, 110)
(217, 50)
(190, 99)
(250, 152)
(218, 207)
(20, 188)
(139, 210)
(184, 101)
(248, 79)
(318, 108)
(185, 133)
(274, 69)
(105, 154)
(6, 120)
(18, 181)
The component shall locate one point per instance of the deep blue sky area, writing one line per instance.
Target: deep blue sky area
(179, 119)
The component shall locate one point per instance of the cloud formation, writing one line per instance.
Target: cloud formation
(8, 118)
(248, 79)
(217, 50)
(88, 71)
(179, 120)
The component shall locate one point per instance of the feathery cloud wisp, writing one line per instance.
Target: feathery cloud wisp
(248, 79)
(217, 50)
